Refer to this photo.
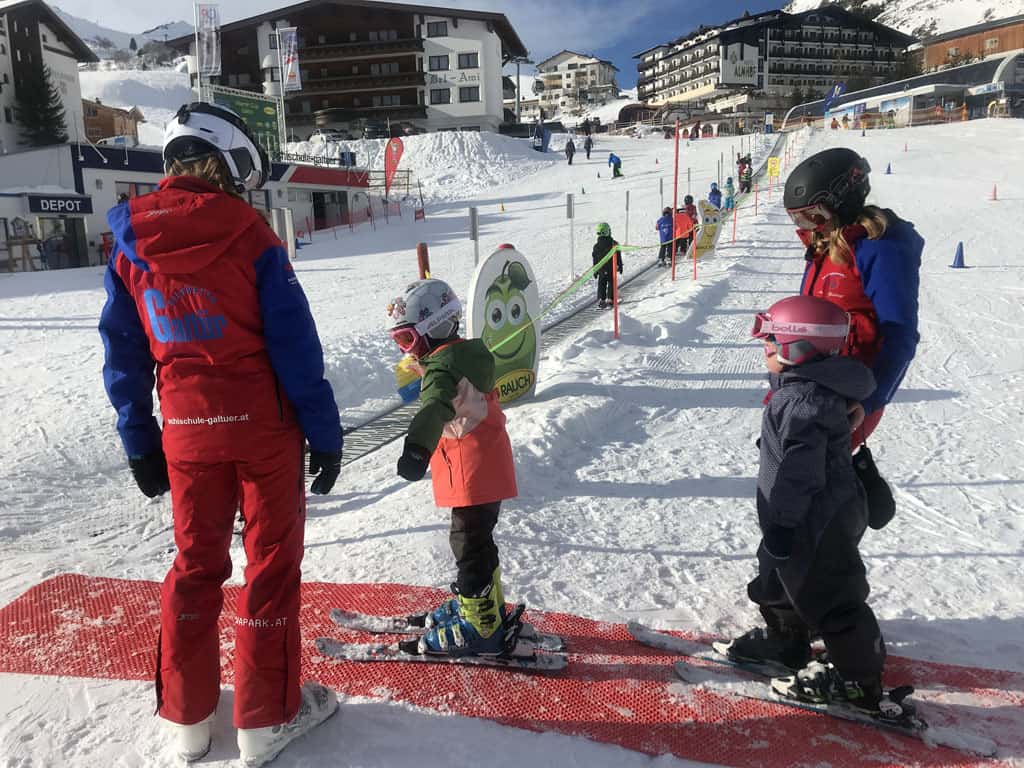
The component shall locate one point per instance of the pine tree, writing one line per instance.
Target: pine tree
(39, 110)
(133, 46)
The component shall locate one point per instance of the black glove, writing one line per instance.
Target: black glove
(150, 472)
(413, 463)
(620, 266)
(778, 542)
(326, 465)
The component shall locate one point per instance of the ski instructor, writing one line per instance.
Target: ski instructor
(201, 290)
(867, 260)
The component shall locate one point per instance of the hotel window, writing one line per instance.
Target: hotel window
(469, 60)
(440, 95)
(273, 41)
(469, 94)
(991, 43)
(437, 29)
(438, 63)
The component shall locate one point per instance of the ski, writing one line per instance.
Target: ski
(415, 624)
(524, 656)
(748, 680)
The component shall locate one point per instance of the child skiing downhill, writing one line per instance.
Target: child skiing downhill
(604, 275)
(588, 144)
(200, 290)
(715, 195)
(459, 432)
(746, 177)
(812, 513)
(615, 164)
(665, 226)
(730, 194)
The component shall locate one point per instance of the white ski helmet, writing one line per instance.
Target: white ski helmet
(429, 307)
(200, 129)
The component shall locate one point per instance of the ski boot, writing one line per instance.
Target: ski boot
(477, 626)
(258, 746)
(192, 742)
(781, 650)
(450, 607)
(821, 683)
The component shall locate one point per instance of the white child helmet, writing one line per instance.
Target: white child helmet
(200, 130)
(430, 306)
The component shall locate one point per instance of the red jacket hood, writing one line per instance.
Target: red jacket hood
(182, 227)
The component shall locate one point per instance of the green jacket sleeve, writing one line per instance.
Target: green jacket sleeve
(443, 371)
(437, 390)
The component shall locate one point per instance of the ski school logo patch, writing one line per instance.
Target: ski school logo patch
(178, 319)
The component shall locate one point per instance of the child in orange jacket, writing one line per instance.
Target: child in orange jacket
(460, 433)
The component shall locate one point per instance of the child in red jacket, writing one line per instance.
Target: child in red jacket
(200, 290)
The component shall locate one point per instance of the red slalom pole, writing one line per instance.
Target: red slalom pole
(423, 260)
(615, 290)
(693, 247)
(675, 207)
(734, 212)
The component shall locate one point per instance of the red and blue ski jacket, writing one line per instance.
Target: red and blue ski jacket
(880, 291)
(200, 290)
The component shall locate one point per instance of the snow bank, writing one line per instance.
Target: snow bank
(157, 92)
(451, 165)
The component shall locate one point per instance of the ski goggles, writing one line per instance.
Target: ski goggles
(765, 328)
(411, 339)
(817, 217)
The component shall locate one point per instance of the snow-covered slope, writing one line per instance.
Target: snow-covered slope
(636, 463)
(157, 92)
(925, 18)
(92, 32)
(451, 165)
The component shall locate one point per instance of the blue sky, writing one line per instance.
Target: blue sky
(610, 29)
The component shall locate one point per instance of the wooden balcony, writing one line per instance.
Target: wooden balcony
(363, 82)
(361, 49)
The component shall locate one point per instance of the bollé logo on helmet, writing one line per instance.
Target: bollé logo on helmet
(789, 328)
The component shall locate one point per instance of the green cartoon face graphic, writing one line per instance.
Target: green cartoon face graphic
(507, 316)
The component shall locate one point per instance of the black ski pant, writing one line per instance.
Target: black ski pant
(604, 285)
(472, 541)
(588, 154)
(827, 598)
(665, 254)
(570, 159)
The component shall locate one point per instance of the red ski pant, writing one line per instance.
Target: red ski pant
(205, 497)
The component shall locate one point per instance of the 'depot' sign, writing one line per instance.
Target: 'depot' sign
(503, 301)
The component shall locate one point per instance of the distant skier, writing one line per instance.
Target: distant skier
(459, 432)
(604, 275)
(665, 226)
(812, 513)
(202, 299)
(746, 176)
(616, 165)
(715, 195)
(588, 144)
(730, 194)
(570, 150)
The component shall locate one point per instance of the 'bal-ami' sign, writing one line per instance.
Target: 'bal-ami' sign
(503, 302)
(59, 204)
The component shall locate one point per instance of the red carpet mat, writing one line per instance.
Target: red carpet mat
(613, 691)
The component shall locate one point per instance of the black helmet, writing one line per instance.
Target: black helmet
(835, 178)
(688, 200)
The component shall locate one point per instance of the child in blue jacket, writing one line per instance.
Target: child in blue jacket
(616, 165)
(665, 226)
(715, 195)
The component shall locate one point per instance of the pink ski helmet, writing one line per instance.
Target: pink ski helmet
(803, 328)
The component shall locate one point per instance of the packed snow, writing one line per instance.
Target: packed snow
(934, 18)
(156, 92)
(635, 460)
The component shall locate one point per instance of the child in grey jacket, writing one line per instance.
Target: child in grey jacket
(812, 512)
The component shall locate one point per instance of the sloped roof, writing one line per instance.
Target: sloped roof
(67, 35)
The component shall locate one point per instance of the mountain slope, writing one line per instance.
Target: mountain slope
(923, 19)
(95, 35)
